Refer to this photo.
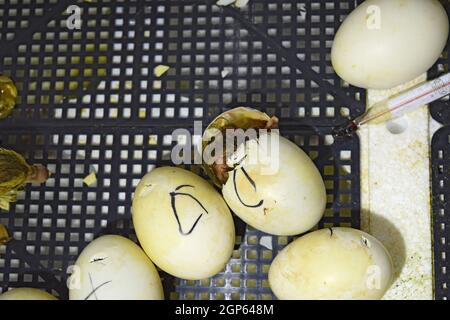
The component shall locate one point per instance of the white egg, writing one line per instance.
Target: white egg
(384, 43)
(114, 268)
(276, 191)
(26, 294)
(334, 263)
(183, 223)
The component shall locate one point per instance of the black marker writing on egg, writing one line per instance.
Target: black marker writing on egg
(177, 193)
(94, 290)
(253, 184)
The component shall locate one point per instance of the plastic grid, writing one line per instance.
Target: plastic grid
(104, 71)
(441, 209)
(89, 101)
(55, 221)
(15, 15)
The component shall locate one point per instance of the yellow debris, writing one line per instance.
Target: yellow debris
(224, 73)
(4, 204)
(160, 70)
(224, 2)
(8, 96)
(237, 3)
(241, 3)
(4, 236)
(90, 179)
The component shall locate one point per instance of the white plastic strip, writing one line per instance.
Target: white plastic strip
(396, 201)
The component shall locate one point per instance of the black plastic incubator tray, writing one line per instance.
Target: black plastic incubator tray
(441, 210)
(89, 101)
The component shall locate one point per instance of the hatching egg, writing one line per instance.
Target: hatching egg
(267, 180)
(280, 192)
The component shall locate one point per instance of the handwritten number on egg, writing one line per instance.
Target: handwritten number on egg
(253, 184)
(173, 197)
(95, 289)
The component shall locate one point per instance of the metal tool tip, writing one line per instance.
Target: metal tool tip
(346, 130)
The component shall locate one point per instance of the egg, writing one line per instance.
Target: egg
(26, 294)
(384, 43)
(283, 194)
(267, 180)
(183, 223)
(334, 263)
(114, 268)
